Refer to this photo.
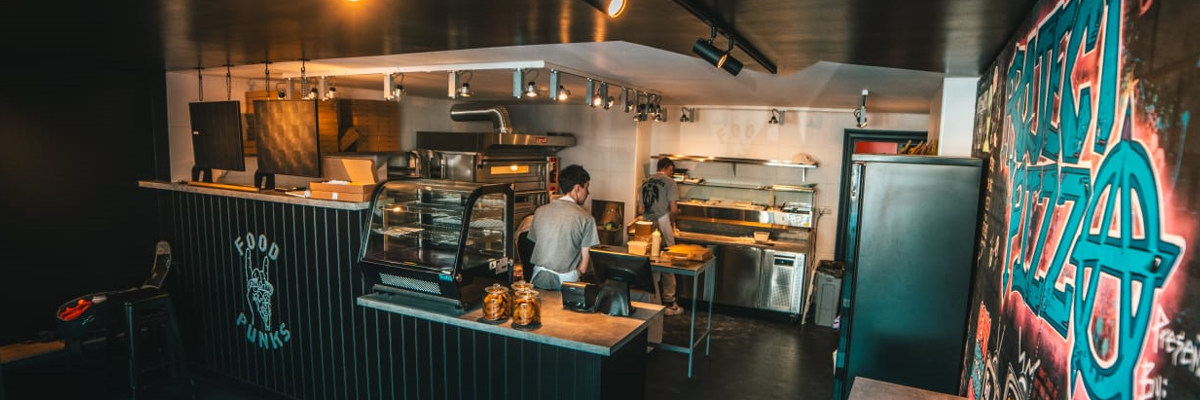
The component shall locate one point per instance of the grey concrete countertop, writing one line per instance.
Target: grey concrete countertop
(263, 195)
(702, 238)
(870, 389)
(593, 333)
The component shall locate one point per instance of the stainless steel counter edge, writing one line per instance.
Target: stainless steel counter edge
(701, 238)
(601, 342)
(268, 195)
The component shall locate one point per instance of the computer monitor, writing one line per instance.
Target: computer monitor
(288, 139)
(216, 138)
(617, 272)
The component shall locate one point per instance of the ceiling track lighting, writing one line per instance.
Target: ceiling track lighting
(391, 89)
(327, 87)
(687, 114)
(711, 19)
(457, 90)
(526, 90)
(611, 8)
(720, 59)
(776, 117)
(860, 113)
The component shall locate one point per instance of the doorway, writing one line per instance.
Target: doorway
(860, 141)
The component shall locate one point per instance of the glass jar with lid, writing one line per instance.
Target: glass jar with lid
(497, 304)
(527, 310)
(521, 285)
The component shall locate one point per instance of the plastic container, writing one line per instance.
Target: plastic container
(638, 247)
(655, 243)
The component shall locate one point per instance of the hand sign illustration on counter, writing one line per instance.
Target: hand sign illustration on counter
(257, 254)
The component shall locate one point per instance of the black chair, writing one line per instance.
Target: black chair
(138, 322)
(149, 316)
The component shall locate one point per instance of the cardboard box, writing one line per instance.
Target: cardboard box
(357, 173)
(339, 196)
(352, 187)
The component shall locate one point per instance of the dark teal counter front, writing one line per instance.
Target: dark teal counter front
(266, 287)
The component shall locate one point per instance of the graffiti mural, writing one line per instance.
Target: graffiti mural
(1085, 263)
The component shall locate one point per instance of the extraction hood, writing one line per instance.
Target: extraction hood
(502, 140)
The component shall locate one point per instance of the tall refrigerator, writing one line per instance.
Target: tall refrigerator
(910, 241)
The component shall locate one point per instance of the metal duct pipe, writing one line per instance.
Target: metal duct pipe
(479, 112)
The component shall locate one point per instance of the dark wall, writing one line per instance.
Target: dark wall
(1089, 285)
(82, 118)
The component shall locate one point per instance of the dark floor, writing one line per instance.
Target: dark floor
(751, 357)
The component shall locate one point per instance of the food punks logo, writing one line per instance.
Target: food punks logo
(257, 254)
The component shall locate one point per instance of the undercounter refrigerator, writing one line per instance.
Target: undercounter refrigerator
(910, 242)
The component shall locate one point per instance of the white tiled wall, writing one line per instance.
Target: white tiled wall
(610, 145)
(746, 134)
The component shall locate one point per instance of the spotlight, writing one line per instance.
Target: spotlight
(776, 117)
(686, 114)
(392, 90)
(531, 90)
(631, 98)
(563, 93)
(612, 8)
(860, 113)
(313, 94)
(456, 90)
(609, 103)
(720, 59)
(331, 93)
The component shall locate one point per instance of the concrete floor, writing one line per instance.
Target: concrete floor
(752, 357)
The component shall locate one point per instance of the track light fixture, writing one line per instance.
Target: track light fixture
(327, 87)
(521, 88)
(860, 113)
(631, 99)
(457, 90)
(776, 117)
(720, 59)
(392, 90)
(687, 114)
(563, 93)
(612, 8)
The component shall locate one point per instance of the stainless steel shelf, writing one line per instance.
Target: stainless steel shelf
(775, 188)
(735, 161)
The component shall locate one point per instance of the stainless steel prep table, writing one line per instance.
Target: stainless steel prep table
(692, 269)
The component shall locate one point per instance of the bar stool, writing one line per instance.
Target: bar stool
(151, 310)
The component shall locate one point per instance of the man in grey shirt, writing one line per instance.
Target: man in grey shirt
(659, 197)
(563, 231)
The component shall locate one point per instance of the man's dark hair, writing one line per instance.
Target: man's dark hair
(570, 176)
(664, 162)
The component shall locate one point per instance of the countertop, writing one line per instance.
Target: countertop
(588, 332)
(702, 238)
(864, 389)
(263, 195)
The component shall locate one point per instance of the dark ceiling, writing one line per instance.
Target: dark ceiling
(957, 37)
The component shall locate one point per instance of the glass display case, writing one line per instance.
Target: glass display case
(440, 242)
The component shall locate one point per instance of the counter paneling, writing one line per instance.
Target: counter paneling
(265, 293)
